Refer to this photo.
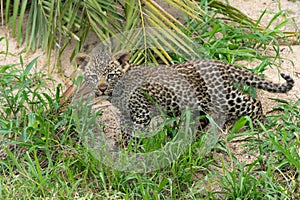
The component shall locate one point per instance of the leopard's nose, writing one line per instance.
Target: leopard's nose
(102, 88)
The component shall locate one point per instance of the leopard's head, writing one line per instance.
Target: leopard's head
(103, 70)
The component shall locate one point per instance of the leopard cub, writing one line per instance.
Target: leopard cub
(207, 84)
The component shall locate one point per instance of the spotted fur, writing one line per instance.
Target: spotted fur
(211, 82)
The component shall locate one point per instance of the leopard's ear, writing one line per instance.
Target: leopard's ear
(82, 59)
(123, 58)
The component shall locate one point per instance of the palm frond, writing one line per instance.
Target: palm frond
(52, 24)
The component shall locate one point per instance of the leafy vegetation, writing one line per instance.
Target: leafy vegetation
(53, 24)
(43, 157)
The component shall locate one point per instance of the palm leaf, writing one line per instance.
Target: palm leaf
(52, 24)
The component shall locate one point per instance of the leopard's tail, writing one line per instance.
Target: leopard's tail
(256, 81)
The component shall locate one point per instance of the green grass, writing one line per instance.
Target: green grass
(46, 158)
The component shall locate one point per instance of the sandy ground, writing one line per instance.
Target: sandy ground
(290, 63)
(16, 51)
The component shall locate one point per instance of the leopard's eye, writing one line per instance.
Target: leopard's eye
(110, 76)
(94, 77)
